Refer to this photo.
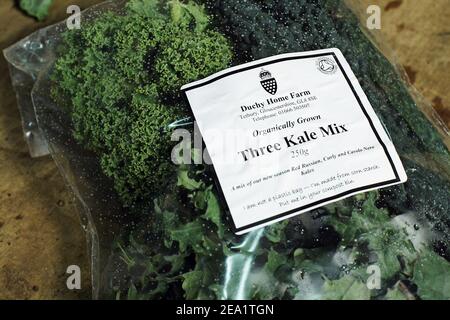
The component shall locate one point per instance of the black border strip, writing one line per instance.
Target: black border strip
(343, 194)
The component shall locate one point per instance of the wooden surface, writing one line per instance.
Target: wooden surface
(419, 34)
(40, 233)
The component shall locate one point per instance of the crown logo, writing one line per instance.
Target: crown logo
(264, 74)
(268, 82)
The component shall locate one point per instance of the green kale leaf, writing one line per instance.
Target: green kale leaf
(36, 8)
(431, 277)
(345, 288)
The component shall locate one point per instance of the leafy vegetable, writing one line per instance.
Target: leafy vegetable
(121, 75)
(371, 226)
(395, 294)
(36, 8)
(431, 277)
(346, 288)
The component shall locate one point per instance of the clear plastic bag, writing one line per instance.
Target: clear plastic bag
(23, 81)
(323, 254)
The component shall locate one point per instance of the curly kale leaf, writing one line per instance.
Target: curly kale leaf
(122, 75)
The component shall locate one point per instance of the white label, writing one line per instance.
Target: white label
(291, 133)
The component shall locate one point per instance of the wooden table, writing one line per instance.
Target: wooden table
(40, 233)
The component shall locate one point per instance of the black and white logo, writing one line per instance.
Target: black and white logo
(326, 65)
(268, 82)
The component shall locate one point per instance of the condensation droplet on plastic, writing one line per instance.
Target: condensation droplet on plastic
(31, 45)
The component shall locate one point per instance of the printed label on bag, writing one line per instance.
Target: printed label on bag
(291, 133)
